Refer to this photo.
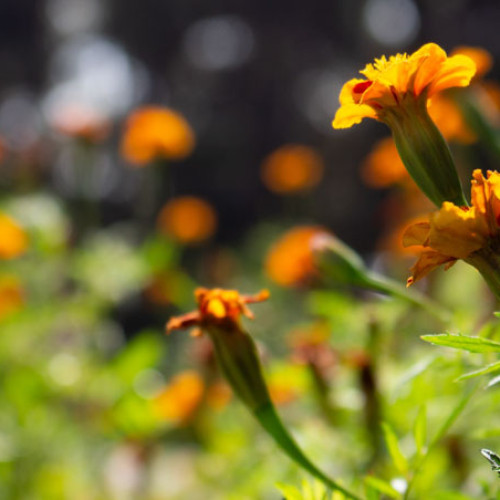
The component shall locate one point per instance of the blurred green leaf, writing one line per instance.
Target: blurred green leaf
(391, 441)
(493, 367)
(420, 430)
(470, 344)
(382, 486)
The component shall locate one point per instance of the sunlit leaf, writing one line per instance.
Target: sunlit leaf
(471, 344)
(382, 486)
(392, 445)
(493, 367)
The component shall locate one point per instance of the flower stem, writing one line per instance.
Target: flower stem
(270, 420)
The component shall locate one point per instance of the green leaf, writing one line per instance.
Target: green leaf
(420, 430)
(289, 492)
(471, 344)
(392, 445)
(493, 367)
(382, 486)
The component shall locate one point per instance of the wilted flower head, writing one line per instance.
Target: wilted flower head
(13, 238)
(154, 132)
(292, 168)
(290, 261)
(217, 307)
(455, 232)
(391, 82)
(187, 219)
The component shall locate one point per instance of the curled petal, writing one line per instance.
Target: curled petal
(185, 321)
(428, 260)
(456, 71)
(351, 114)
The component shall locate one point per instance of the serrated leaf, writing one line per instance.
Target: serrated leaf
(493, 367)
(464, 342)
(420, 430)
(391, 440)
(382, 486)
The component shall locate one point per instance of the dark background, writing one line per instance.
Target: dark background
(249, 76)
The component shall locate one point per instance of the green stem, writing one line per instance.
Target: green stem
(269, 419)
(424, 152)
(487, 262)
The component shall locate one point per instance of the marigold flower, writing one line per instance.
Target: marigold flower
(154, 132)
(180, 399)
(11, 295)
(217, 307)
(391, 82)
(396, 92)
(13, 239)
(292, 168)
(454, 232)
(187, 219)
(290, 261)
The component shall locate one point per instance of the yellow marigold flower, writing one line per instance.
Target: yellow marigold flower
(154, 132)
(13, 239)
(290, 261)
(391, 82)
(454, 232)
(181, 398)
(396, 92)
(11, 295)
(292, 168)
(187, 219)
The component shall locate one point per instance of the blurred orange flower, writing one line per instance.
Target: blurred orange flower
(187, 219)
(11, 295)
(292, 168)
(81, 123)
(290, 261)
(154, 132)
(181, 398)
(383, 166)
(13, 239)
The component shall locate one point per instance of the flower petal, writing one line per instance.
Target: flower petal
(351, 114)
(428, 260)
(416, 234)
(456, 71)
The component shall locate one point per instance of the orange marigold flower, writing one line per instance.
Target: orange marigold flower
(217, 307)
(454, 232)
(81, 123)
(181, 398)
(154, 132)
(292, 168)
(290, 261)
(187, 219)
(391, 82)
(13, 239)
(11, 295)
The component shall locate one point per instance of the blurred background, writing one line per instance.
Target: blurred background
(150, 147)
